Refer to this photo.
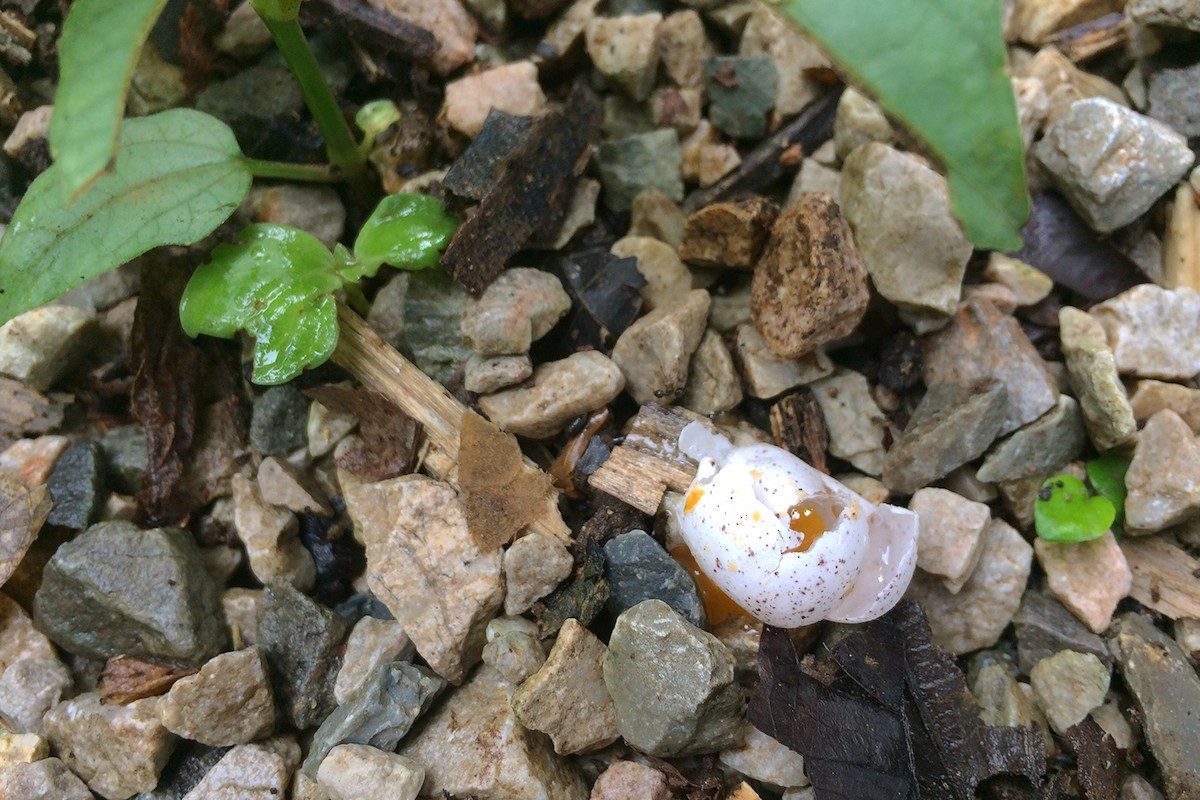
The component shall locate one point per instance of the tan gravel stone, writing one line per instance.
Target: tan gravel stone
(768, 376)
(371, 643)
(511, 88)
(241, 607)
(47, 779)
(227, 702)
(668, 280)
(409, 524)
(22, 747)
(452, 27)
(657, 216)
(1153, 332)
(624, 50)
(281, 483)
(728, 234)
(258, 771)
(517, 309)
(629, 780)
(533, 566)
(271, 537)
(1150, 397)
(855, 423)
(765, 759)
(653, 353)
(713, 385)
(1163, 481)
(682, 47)
(976, 616)
(1090, 578)
(362, 772)
(558, 392)
(30, 461)
(1067, 686)
(1036, 20)
(486, 374)
(1028, 284)
(19, 640)
(859, 121)
(766, 32)
(37, 347)
(950, 534)
(1094, 379)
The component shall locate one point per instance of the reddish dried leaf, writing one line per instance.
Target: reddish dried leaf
(169, 369)
(389, 436)
(500, 493)
(198, 23)
(22, 514)
(127, 679)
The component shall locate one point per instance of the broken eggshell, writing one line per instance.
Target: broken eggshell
(739, 520)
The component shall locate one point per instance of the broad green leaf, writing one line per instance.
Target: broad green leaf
(1107, 474)
(179, 175)
(1065, 511)
(97, 53)
(938, 66)
(276, 283)
(404, 230)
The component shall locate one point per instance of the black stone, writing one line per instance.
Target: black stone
(279, 422)
(1044, 626)
(639, 569)
(77, 486)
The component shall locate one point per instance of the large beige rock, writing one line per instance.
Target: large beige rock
(511, 88)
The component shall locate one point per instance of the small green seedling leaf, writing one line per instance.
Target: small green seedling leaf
(1107, 474)
(406, 231)
(1065, 511)
(277, 284)
(938, 66)
(179, 175)
(376, 117)
(97, 53)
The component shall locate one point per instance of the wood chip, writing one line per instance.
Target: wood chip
(1164, 576)
(377, 29)
(1090, 39)
(649, 462)
(798, 426)
(127, 679)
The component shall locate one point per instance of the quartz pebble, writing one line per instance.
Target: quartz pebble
(859, 121)
(271, 537)
(682, 47)
(657, 216)
(31, 461)
(728, 234)
(533, 566)
(1152, 396)
(1090, 578)
(473, 745)
(1110, 162)
(117, 589)
(512, 88)
(486, 374)
(1154, 332)
(624, 50)
(653, 353)
(39, 346)
(517, 309)
(228, 702)
(46, 779)
(713, 385)
(28, 688)
(915, 251)
(514, 648)
(558, 392)
(668, 280)
(372, 642)
(258, 771)
(1163, 481)
(117, 750)
(767, 375)
(1028, 284)
(672, 683)
(566, 699)
(281, 483)
(765, 759)
(299, 637)
(362, 772)
(976, 616)
(22, 748)
(1052, 439)
(1002, 700)
(326, 427)
(950, 529)
(855, 423)
(638, 568)
(452, 27)
(810, 286)
(240, 608)
(406, 524)
(629, 780)
(1094, 379)
(1067, 686)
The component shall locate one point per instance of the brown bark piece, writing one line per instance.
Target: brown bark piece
(500, 497)
(529, 194)
(127, 679)
(389, 436)
(810, 286)
(379, 30)
(798, 426)
(1164, 576)
(728, 234)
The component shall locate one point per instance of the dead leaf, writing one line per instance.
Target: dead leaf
(389, 436)
(22, 514)
(500, 493)
(125, 679)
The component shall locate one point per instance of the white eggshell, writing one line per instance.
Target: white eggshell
(735, 520)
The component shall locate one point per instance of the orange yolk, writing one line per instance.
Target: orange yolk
(692, 498)
(808, 522)
(717, 605)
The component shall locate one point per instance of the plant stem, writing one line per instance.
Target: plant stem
(313, 173)
(339, 142)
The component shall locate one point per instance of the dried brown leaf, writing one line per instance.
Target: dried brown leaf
(22, 514)
(500, 493)
(1099, 762)
(389, 436)
(125, 679)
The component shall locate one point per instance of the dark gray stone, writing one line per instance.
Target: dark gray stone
(1173, 97)
(187, 767)
(125, 457)
(278, 422)
(634, 164)
(117, 589)
(1165, 687)
(473, 173)
(1044, 627)
(951, 426)
(639, 569)
(1053, 439)
(741, 92)
(299, 637)
(673, 684)
(379, 713)
(433, 309)
(77, 486)
(257, 94)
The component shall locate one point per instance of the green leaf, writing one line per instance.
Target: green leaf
(1066, 512)
(276, 283)
(938, 66)
(179, 175)
(97, 53)
(404, 230)
(1107, 474)
(276, 10)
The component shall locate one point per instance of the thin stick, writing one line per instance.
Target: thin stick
(378, 366)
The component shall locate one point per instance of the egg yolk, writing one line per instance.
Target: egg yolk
(717, 605)
(808, 522)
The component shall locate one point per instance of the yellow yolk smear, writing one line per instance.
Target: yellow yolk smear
(808, 522)
(717, 605)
